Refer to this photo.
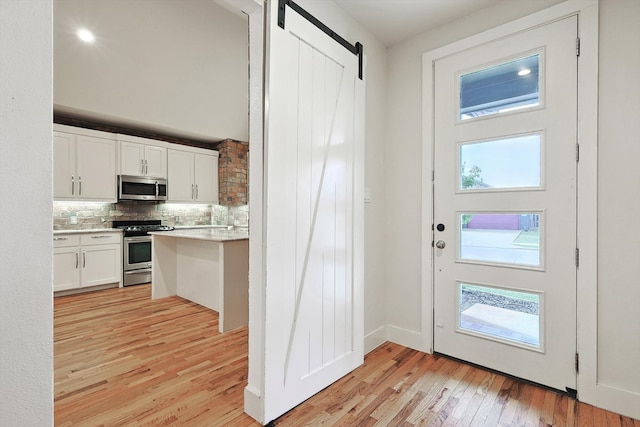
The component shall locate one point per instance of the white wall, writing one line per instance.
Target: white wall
(175, 66)
(403, 172)
(618, 200)
(26, 321)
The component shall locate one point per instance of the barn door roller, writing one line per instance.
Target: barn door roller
(356, 49)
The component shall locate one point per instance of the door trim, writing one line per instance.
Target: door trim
(587, 12)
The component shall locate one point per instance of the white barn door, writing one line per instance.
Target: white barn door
(314, 182)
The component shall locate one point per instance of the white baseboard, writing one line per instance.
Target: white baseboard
(617, 400)
(404, 337)
(374, 339)
(253, 404)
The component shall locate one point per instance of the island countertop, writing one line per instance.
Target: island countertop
(210, 234)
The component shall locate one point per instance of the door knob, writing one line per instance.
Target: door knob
(440, 244)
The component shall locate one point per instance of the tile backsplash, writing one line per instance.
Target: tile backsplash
(86, 215)
(239, 216)
(79, 215)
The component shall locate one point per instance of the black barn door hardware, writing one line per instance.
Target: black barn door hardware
(356, 49)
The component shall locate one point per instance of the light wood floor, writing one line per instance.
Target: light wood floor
(123, 359)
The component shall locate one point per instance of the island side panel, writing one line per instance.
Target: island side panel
(198, 265)
(164, 271)
(235, 292)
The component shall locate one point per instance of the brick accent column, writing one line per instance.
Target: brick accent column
(232, 172)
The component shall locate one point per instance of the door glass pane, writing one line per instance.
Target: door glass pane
(502, 314)
(503, 163)
(505, 87)
(505, 238)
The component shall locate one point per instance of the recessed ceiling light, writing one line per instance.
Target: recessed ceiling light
(524, 72)
(85, 35)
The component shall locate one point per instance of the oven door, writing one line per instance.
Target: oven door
(137, 260)
(137, 253)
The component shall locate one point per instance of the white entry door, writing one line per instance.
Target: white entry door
(314, 186)
(505, 204)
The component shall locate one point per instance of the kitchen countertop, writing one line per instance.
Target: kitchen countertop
(210, 234)
(191, 227)
(92, 230)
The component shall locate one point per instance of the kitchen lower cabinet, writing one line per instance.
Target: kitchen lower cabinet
(66, 271)
(193, 176)
(86, 260)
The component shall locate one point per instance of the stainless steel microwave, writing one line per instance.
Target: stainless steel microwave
(141, 188)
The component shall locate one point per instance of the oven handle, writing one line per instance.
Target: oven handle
(138, 239)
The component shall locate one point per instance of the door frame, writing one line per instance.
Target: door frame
(587, 12)
(258, 54)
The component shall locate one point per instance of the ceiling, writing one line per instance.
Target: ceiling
(131, 78)
(391, 21)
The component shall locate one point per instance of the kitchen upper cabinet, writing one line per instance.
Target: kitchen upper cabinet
(64, 165)
(205, 172)
(180, 181)
(84, 166)
(193, 176)
(142, 159)
(86, 260)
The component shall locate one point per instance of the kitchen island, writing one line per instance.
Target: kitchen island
(209, 266)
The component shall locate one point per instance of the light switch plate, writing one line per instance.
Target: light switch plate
(367, 195)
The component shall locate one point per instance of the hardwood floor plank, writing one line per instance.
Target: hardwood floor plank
(560, 414)
(571, 412)
(524, 403)
(549, 407)
(497, 409)
(121, 359)
(434, 387)
(480, 394)
(628, 422)
(535, 408)
(455, 401)
(488, 401)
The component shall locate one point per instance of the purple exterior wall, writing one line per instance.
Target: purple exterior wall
(494, 222)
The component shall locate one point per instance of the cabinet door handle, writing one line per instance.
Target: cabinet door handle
(101, 236)
(84, 259)
(141, 167)
(73, 185)
(77, 259)
(196, 191)
(146, 167)
(79, 185)
(58, 239)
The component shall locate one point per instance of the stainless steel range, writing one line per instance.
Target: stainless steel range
(137, 249)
